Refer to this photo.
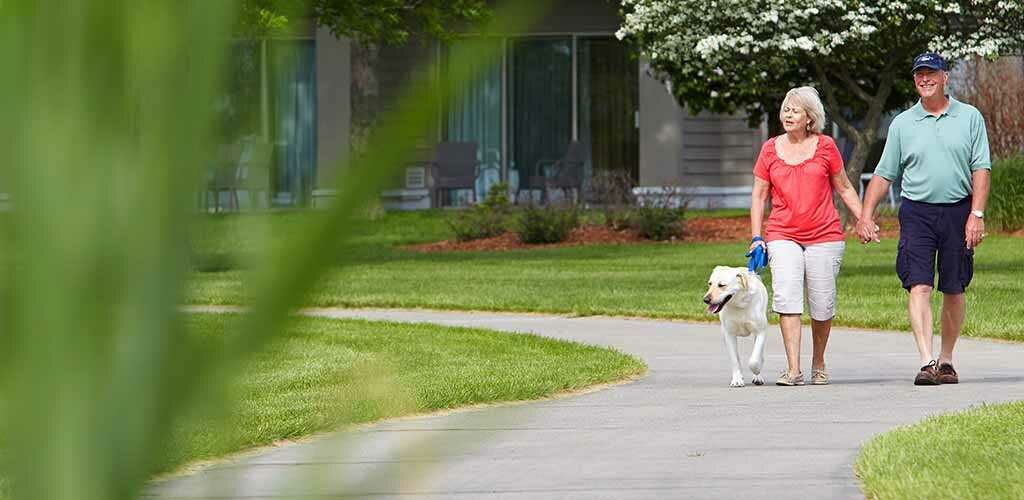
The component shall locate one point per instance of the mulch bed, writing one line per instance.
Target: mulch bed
(583, 235)
(701, 229)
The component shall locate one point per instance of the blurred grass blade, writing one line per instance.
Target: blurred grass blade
(108, 120)
(107, 113)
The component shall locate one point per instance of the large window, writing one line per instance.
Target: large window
(294, 120)
(269, 109)
(541, 103)
(528, 105)
(475, 111)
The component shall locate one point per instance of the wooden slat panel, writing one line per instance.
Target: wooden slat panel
(718, 153)
(719, 140)
(707, 126)
(718, 166)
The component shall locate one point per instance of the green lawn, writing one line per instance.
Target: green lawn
(658, 280)
(978, 454)
(328, 373)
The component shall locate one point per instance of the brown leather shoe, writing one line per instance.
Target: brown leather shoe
(928, 375)
(947, 375)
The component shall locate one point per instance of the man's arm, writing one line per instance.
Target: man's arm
(888, 167)
(981, 179)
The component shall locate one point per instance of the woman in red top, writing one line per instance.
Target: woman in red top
(804, 238)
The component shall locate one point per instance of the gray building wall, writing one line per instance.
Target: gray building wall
(334, 105)
(711, 157)
(661, 133)
(719, 151)
(579, 16)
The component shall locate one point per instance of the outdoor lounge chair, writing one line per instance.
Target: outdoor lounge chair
(224, 176)
(563, 174)
(454, 166)
(254, 174)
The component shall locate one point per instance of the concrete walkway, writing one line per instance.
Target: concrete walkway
(679, 432)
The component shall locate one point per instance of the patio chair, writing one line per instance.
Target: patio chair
(224, 176)
(254, 175)
(454, 166)
(563, 174)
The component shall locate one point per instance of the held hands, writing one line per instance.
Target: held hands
(975, 231)
(867, 230)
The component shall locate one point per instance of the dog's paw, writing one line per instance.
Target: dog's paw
(757, 380)
(736, 382)
(755, 366)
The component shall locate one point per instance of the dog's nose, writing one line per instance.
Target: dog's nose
(707, 299)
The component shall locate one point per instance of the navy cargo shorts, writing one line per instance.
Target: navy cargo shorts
(930, 228)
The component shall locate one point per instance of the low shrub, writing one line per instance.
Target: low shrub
(548, 224)
(1005, 211)
(486, 220)
(612, 192)
(618, 219)
(660, 214)
(658, 223)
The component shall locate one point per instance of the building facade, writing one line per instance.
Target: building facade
(567, 79)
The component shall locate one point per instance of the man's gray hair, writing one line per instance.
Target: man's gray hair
(806, 98)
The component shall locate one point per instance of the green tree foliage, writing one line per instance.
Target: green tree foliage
(743, 55)
(391, 21)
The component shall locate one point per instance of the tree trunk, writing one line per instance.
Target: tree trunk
(858, 159)
(863, 143)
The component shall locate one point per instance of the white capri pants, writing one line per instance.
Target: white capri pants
(794, 266)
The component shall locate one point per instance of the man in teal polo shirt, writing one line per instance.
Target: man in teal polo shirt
(940, 146)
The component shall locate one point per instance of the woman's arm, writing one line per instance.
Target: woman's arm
(758, 196)
(842, 186)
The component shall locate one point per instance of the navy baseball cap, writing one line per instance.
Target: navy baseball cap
(929, 60)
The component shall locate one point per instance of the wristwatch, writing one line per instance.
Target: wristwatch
(978, 213)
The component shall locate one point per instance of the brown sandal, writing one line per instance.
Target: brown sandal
(947, 375)
(928, 375)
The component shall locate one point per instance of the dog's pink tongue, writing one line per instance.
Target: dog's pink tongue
(711, 308)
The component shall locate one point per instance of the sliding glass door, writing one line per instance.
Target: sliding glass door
(608, 106)
(540, 103)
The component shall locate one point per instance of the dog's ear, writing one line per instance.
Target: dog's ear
(743, 279)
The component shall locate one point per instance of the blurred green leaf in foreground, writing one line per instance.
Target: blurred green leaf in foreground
(107, 128)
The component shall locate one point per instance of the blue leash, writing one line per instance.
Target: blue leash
(758, 257)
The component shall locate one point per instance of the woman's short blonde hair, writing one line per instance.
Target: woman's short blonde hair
(806, 98)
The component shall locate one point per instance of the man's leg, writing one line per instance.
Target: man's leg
(956, 268)
(954, 309)
(919, 308)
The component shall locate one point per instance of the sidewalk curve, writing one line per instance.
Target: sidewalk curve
(679, 432)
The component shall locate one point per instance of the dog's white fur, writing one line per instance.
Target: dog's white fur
(741, 301)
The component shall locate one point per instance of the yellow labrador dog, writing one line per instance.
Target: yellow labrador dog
(740, 300)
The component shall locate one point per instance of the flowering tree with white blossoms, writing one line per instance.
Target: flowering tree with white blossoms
(731, 55)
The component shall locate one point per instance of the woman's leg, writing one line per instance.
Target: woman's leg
(823, 262)
(819, 334)
(790, 324)
(786, 260)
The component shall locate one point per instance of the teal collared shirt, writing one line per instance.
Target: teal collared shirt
(936, 155)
